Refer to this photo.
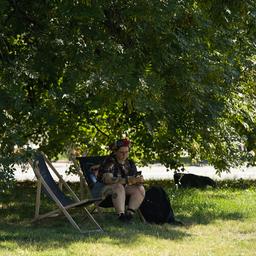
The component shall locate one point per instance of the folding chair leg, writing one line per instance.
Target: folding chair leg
(38, 198)
(71, 220)
(93, 220)
(82, 192)
(48, 214)
(141, 216)
(75, 225)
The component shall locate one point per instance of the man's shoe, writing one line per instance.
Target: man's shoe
(129, 214)
(122, 217)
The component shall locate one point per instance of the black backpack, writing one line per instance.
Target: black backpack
(156, 207)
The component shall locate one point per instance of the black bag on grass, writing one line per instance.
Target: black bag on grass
(156, 207)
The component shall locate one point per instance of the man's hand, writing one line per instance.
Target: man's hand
(132, 180)
(109, 179)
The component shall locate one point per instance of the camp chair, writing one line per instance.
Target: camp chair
(87, 163)
(64, 202)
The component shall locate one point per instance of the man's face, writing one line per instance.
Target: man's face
(122, 153)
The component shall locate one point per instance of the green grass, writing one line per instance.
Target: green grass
(218, 222)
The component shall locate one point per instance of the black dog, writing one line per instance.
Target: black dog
(188, 180)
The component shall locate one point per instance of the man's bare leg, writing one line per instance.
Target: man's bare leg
(118, 196)
(137, 194)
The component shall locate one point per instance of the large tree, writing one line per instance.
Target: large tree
(175, 76)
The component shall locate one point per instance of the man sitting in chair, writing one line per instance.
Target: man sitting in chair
(118, 176)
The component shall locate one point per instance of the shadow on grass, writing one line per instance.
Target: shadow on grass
(207, 217)
(191, 206)
(60, 234)
(17, 211)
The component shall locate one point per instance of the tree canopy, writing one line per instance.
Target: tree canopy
(177, 77)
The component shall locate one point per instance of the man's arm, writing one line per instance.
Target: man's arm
(109, 179)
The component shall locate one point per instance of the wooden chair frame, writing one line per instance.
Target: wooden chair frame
(61, 208)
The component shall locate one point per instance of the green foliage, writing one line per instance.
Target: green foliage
(175, 76)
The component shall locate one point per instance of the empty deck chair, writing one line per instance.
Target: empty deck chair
(64, 202)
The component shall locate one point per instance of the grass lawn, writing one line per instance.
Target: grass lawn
(218, 222)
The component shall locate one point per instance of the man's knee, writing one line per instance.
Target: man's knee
(138, 191)
(118, 188)
(141, 190)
